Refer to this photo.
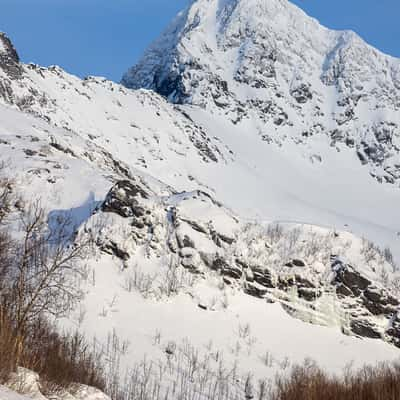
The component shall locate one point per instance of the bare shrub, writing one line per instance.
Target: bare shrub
(308, 382)
(389, 258)
(139, 280)
(274, 232)
(7, 357)
(62, 360)
(369, 250)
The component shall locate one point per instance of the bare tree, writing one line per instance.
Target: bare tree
(5, 240)
(5, 194)
(44, 272)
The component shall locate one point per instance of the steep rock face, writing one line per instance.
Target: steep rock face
(269, 62)
(9, 59)
(9, 66)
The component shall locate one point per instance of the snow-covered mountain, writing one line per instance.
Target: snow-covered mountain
(267, 62)
(231, 211)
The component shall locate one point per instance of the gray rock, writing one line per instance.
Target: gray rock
(9, 59)
(365, 329)
(122, 199)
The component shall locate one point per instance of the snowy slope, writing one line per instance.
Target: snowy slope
(133, 294)
(304, 181)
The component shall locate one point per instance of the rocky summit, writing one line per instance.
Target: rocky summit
(268, 62)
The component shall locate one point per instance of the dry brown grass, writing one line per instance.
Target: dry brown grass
(7, 340)
(308, 382)
(61, 360)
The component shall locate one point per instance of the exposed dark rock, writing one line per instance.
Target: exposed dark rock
(62, 148)
(309, 294)
(365, 329)
(378, 302)
(362, 156)
(289, 264)
(207, 258)
(219, 264)
(122, 199)
(112, 248)
(348, 276)
(350, 142)
(264, 278)
(30, 152)
(249, 275)
(298, 263)
(116, 165)
(227, 281)
(9, 59)
(187, 242)
(215, 238)
(255, 289)
(171, 85)
(138, 223)
(195, 225)
(297, 280)
(302, 93)
(343, 291)
(233, 272)
(226, 239)
(394, 330)
(242, 263)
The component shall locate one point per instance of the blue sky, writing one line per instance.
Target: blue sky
(105, 37)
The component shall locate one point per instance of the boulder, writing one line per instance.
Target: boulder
(302, 93)
(255, 289)
(298, 263)
(123, 199)
(114, 249)
(309, 294)
(190, 259)
(265, 278)
(343, 291)
(232, 271)
(295, 263)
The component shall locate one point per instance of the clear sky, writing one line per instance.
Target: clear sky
(105, 37)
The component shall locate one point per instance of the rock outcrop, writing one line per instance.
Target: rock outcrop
(273, 263)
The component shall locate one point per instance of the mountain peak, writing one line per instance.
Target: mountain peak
(268, 62)
(223, 37)
(218, 35)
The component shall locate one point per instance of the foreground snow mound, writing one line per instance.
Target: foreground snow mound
(269, 63)
(25, 385)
